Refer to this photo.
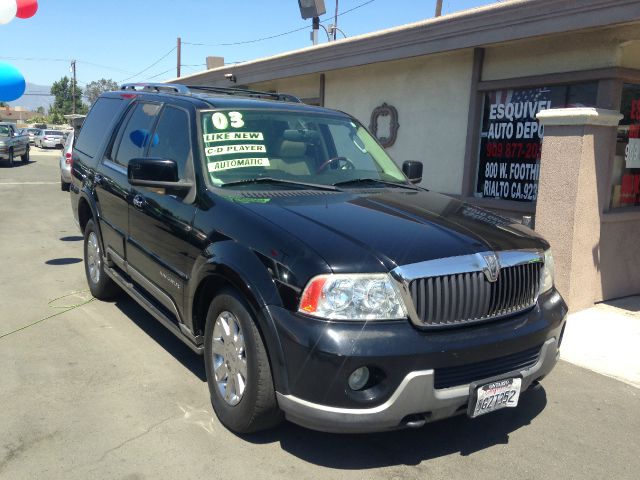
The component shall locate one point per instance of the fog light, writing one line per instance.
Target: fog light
(359, 378)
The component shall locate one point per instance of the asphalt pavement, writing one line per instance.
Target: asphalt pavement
(92, 389)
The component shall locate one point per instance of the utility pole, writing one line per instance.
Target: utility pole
(73, 87)
(179, 49)
(315, 24)
(438, 8)
(335, 22)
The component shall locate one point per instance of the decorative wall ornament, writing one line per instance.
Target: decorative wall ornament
(385, 110)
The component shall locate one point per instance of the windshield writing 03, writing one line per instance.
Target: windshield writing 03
(325, 150)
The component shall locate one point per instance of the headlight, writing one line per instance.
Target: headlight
(352, 297)
(548, 272)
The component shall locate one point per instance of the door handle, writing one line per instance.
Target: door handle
(97, 179)
(139, 201)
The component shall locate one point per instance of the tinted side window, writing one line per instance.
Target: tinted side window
(171, 139)
(96, 125)
(136, 135)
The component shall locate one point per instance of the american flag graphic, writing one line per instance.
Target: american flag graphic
(516, 96)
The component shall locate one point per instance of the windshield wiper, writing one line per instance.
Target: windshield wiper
(355, 181)
(315, 186)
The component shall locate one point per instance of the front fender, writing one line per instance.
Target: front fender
(243, 269)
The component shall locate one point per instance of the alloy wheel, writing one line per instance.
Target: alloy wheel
(229, 358)
(93, 258)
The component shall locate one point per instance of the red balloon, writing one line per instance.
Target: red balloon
(26, 8)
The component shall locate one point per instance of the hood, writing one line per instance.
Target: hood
(380, 229)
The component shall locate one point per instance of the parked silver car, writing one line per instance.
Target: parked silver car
(65, 163)
(32, 132)
(49, 139)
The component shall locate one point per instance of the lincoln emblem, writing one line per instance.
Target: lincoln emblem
(493, 266)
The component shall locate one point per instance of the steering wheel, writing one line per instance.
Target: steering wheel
(348, 164)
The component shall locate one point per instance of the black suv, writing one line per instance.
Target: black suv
(320, 283)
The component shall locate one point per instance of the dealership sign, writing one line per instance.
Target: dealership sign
(511, 138)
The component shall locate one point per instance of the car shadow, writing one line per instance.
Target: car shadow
(63, 261)
(16, 163)
(72, 238)
(457, 435)
(163, 337)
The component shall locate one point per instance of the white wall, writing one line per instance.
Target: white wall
(303, 86)
(431, 95)
(560, 53)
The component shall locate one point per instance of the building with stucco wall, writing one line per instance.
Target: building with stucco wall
(467, 89)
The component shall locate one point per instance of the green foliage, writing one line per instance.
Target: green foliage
(56, 118)
(64, 101)
(38, 119)
(3, 104)
(40, 110)
(94, 89)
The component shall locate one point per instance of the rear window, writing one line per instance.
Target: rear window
(96, 125)
(53, 132)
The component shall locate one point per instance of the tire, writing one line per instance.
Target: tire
(64, 186)
(11, 158)
(242, 411)
(25, 157)
(100, 284)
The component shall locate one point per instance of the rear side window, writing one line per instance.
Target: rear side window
(96, 125)
(136, 135)
(172, 138)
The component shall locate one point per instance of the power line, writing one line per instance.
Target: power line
(64, 60)
(150, 66)
(244, 42)
(161, 73)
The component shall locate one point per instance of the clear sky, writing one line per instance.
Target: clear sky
(119, 39)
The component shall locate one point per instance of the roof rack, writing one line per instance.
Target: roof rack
(186, 89)
(156, 87)
(284, 97)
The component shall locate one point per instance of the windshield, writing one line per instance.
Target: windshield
(320, 149)
(54, 133)
(4, 131)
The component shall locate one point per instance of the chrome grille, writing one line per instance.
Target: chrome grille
(462, 298)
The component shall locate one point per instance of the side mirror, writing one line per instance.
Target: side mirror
(155, 173)
(412, 170)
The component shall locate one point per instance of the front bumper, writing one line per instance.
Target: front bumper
(415, 402)
(318, 357)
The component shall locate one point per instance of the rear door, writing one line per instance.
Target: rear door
(160, 220)
(112, 188)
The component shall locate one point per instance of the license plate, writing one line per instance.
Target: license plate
(492, 396)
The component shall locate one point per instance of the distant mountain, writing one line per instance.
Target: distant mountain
(34, 96)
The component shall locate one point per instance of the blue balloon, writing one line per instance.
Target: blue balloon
(12, 83)
(140, 138)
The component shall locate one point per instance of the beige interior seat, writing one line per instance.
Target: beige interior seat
(291, 157)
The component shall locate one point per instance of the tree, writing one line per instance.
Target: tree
(94, 89)
(38, 119)
(62, 90)
(3, 104)
(40, 110)
(56, 118)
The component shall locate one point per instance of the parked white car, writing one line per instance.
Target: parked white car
(49, 139)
